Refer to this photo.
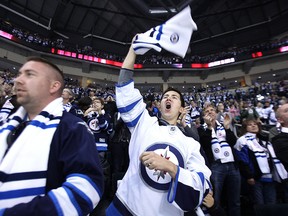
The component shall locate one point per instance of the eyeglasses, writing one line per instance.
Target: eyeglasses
(14, 134)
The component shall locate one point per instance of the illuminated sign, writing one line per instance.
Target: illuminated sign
(6, 35)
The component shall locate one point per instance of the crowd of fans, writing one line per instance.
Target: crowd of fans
(37, 39)
(96, 105)
(271, 92)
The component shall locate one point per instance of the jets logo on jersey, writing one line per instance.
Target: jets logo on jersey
(157, 179)
(94, 125)
(174, 38)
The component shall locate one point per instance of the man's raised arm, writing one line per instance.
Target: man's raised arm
(126, 72)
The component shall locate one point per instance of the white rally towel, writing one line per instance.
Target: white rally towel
(280, 173)
(260, 152)
(173, 36)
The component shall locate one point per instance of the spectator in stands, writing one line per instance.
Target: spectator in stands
(162, 158)
(149, 107)
(110, 106)
(280, 141)
(217, 141)
(8, 88)
(100, 124)
(275, 130)
(267, 109)
(120, 140)
(92, 93)
(188, 128)
(194, 110)
(248, 111)
(197, 123)
(82, 105)
(156, 108)
(234, 114)
(220, 112)
(259, 110)
(119, 144)
(68, 98)
(272, 120)
(258, 164)
(10, 105)
(49, 164)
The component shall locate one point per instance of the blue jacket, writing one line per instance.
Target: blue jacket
(72, 155)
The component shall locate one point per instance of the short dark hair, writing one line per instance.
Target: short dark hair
(39, 59)
(84, 102)
(176, 90)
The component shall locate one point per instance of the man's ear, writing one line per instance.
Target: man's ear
(55, 86)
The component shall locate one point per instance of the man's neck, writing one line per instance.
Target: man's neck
(65, 101)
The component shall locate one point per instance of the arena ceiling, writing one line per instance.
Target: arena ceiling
(109, 25)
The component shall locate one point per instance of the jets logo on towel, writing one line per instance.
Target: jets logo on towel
(174, 38)
(216, 150)
(158, 179)
(226, 154)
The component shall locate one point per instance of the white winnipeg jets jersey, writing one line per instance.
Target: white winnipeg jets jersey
(151, 192)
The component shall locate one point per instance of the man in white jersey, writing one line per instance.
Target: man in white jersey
(167, 174)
